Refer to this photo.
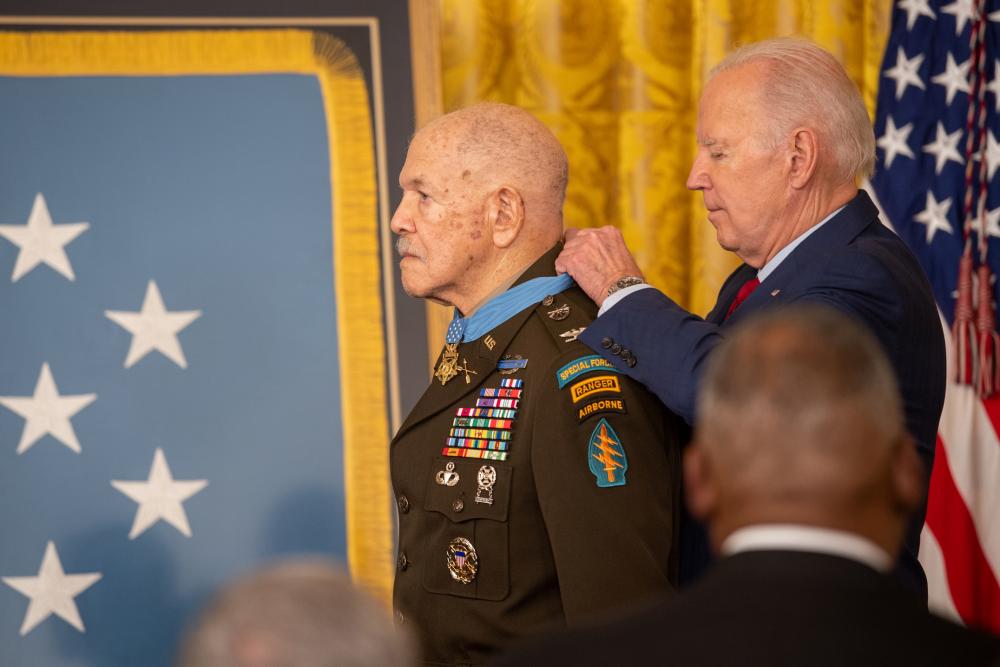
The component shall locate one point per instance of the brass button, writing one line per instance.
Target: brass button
(616, 349)
(404, 504)
(402, 562)
(607, 342)
(547, 301)
(458, 505)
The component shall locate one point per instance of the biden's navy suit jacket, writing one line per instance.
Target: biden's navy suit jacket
(852, 263)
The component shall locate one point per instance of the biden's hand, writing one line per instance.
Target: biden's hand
(596, 259)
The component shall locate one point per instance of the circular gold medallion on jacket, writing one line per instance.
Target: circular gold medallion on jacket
(463, 562)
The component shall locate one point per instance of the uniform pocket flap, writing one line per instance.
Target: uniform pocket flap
(463, 490)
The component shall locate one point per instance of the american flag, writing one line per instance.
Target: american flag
(169, 396)
(937, 127)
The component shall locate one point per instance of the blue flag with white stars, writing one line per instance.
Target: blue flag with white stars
(923, 138)
(169, 396)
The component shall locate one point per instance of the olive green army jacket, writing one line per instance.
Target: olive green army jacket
(538, 487)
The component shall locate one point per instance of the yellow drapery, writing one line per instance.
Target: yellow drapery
(618, 82)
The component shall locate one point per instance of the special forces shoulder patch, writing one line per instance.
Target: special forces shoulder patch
(606, 455)
(582, 365)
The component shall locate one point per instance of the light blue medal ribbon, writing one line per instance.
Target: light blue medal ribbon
(504, 306)
(455, 329)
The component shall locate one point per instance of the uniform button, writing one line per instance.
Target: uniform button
(403, 562)
(404, 504)
(400, 619)
(606, 342)
(616, 349)
(626, 353)
(458, 505)
(631, 362)
(548, 300)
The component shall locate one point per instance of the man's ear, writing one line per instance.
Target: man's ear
(699, 486)
(504, 215)
(803, 154)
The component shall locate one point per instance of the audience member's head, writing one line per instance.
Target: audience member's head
(303, 613)
(800, 421)
(483, 190)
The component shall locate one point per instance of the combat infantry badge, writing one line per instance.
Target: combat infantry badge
(511, 363)
(463, 562)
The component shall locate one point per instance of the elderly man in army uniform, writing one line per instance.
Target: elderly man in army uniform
(537, 486)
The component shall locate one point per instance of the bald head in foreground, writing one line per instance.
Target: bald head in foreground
(299, 613)
(804, 472)
(536, 487)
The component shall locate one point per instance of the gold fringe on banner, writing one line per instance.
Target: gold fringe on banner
(355, 220)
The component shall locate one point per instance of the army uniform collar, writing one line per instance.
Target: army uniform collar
(478, 359)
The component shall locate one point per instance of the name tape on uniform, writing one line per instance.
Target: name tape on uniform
(595, 385)
(601, 405)
(578, 367)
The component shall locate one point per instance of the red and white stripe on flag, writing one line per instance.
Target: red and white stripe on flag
(960, 544)
(936, 126)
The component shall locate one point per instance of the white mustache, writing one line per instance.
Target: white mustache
(403, 244)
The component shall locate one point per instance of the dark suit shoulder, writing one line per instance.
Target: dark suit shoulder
(875, 255)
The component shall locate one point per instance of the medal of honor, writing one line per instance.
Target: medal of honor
(448, 366)
(493, 313)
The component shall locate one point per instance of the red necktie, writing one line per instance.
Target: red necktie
(741, 296)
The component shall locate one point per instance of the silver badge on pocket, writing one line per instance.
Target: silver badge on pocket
(486, 478)
(448, 476)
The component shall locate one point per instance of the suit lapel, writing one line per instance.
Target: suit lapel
(840, 230)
